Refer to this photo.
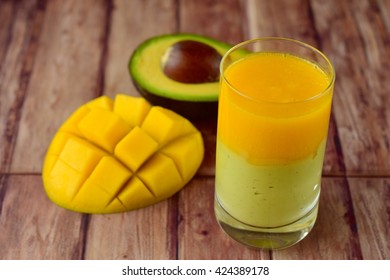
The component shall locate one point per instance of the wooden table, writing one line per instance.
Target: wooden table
(56, 55)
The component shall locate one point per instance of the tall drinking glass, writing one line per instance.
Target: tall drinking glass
(274, 107)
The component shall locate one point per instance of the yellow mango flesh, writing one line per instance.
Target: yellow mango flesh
(118, 155)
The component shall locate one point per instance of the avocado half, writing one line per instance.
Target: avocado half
(192, 99)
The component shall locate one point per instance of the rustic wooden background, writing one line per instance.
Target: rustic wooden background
(56, 55)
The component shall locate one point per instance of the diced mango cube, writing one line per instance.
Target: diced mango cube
(102, 102)
(115, 206)
(70, 125)
(72, 166)
(164, 125)
(103, 128)
(81, 155)
(64, 180)
(135, 148)
(136, 195)
(50, 161)
(182, 150)
(132, 109)
(58, 143)
(110, 175)
(92, 197)
(161, 176)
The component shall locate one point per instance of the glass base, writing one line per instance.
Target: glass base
(265, 238)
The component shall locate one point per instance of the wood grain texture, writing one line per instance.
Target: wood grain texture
(32, 226)
(56, 55)
(148, 233)
(132, 22)
(65, 74)
(285, 18)
(222, 20)
(371, 201)
(353, 33)
(20, 27)
(383, 8)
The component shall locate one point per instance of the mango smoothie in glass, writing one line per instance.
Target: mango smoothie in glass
(274, 108)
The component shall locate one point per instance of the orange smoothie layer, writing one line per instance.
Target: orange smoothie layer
(280, 111)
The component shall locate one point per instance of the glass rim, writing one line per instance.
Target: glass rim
(294, 41)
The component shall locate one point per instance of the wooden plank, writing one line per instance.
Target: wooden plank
(20, 23)
(7, 9)
(147, 233)
(383, 7)
(32, 227)
(334, 235)
(354, 36)
(285, 18)
(56, 55)
(200, 236)
(222, 20)
(132, 22)
(371, 201)
(140, 234)
(65, 74)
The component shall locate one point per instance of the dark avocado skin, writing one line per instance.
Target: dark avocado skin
(190, 110)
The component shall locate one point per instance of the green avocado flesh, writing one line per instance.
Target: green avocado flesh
(147, 73)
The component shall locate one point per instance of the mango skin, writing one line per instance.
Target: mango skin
(118, 155)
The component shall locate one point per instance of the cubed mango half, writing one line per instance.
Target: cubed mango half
(119, 155)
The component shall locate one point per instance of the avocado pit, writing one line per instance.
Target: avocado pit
(191, 62)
